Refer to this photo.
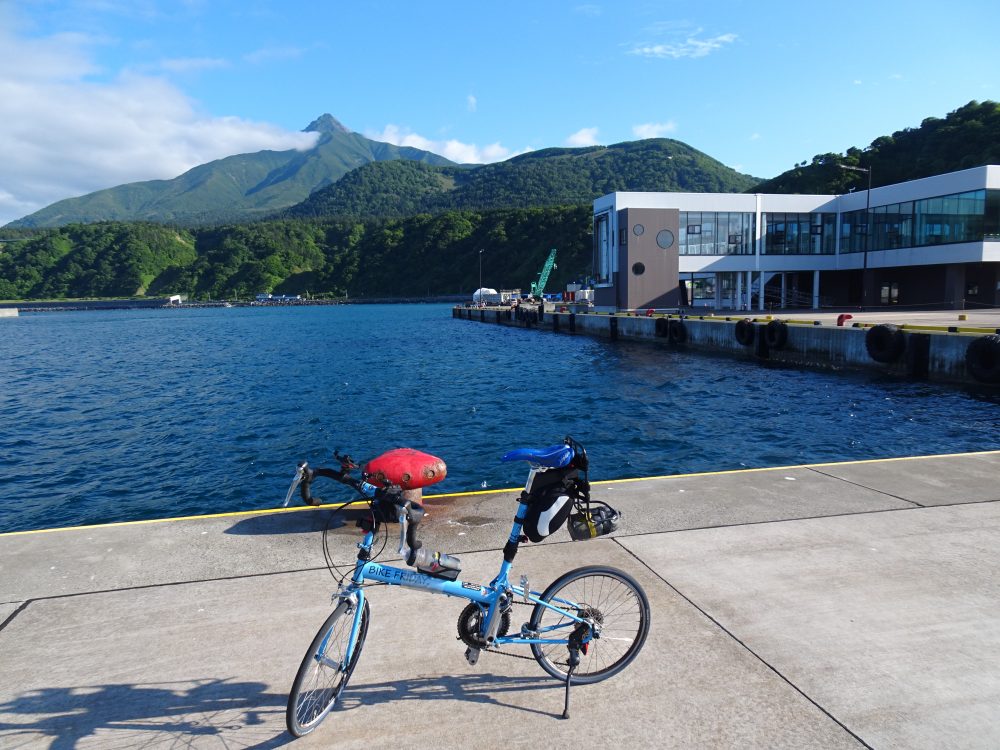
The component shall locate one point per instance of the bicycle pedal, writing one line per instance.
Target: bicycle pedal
(472, 655)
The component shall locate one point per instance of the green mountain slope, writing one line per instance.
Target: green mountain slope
(556, 176)
(968, 137)
(237, 188)
(92, 260)
(421, 255)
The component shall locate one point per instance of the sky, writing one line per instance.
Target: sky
(98, 93)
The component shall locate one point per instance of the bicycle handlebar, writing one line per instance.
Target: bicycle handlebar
(385, 501)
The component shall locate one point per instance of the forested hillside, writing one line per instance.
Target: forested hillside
(967, 137)
(555, 176)
(423, 255)
(95, 260)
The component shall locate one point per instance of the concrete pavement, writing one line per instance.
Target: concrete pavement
(837, 605)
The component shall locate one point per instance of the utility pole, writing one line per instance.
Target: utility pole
(868, 223)
(480, 277)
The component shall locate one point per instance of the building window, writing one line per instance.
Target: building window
(638, 269)
(799, 233)
(602, 249)
(959, 217)
(638, 229)
(716, 233)
(890, 294)
(665, 239)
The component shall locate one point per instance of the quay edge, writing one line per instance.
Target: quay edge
(938, 353)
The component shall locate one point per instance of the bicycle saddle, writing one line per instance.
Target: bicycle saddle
(554, 457)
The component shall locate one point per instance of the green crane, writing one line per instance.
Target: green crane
(538, 287)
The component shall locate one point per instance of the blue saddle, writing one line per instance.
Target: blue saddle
(554, 457)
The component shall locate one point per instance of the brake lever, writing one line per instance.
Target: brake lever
(300, 473)
(404, 524)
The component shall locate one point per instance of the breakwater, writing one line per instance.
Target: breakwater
(949, 353)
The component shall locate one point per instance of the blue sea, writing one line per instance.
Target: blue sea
(125, 415)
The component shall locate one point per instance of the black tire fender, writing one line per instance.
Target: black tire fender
(678, 333)
(885, 343)
(662, 328)
(776, 333)
(745, 332)
(982, 359)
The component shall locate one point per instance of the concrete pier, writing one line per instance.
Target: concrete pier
(824, 606)
(924, 345)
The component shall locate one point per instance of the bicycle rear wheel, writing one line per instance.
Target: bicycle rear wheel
(613, 601)
(325, 669)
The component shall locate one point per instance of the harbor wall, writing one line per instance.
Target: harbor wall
(919, 352)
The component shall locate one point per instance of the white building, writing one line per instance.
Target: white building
(928, 242)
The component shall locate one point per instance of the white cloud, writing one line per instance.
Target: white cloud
(654, 129)
(755, 136)
(471, 103)
(583, 137)
(589, 9)
(689, 47)
(463, 153)
(63, 134)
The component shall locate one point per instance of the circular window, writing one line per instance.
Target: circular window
(665, 238)
(638, 229)
(638, 269)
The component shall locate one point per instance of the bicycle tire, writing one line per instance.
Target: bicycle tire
(619, 602)
(310, 701)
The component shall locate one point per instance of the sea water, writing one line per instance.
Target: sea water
(125, 415)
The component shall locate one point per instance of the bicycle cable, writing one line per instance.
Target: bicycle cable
(328, 558)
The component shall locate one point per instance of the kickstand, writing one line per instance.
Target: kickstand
(574, 660)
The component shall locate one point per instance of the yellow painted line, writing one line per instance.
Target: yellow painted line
(231, 514)
(798, 466)
(944, 329)
(361, 503)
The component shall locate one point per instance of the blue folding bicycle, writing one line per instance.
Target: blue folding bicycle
(588, 625)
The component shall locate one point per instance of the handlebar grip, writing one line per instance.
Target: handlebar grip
(416, 515)
(304, 492)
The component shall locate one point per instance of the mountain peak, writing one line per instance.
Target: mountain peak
(326, 123)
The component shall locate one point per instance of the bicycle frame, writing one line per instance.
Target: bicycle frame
(487, 595)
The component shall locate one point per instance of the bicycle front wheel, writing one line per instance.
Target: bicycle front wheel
(610, 599)
(325, 669)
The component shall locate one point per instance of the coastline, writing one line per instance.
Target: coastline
(157, 303)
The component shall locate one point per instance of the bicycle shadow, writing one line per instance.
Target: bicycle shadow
(473, 688)
(307, 522)
(182, 714)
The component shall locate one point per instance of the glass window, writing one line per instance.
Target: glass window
(602, 249)
(708, 233)
(991, 215)
(798, 233)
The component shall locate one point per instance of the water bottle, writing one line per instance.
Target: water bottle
(437, 564)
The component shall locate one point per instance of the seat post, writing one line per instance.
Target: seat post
(510, 549)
